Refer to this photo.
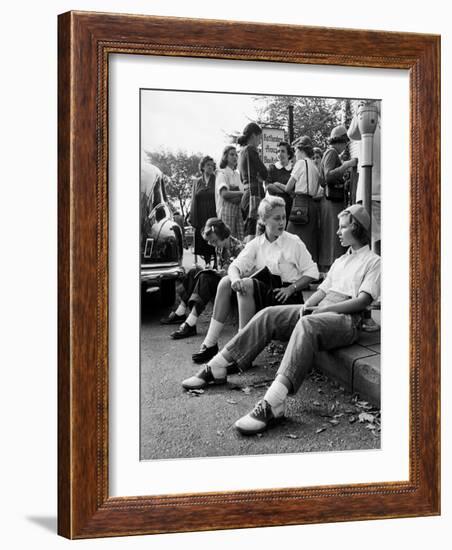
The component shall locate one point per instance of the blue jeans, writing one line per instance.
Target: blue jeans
(306, 335)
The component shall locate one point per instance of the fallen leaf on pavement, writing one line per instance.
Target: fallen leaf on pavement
(334, 422)
(366, 417)
(363, 405)
(246, 390)
(231, 401)
(320, 430)
(291, 436)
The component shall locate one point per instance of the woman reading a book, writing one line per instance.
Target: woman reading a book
(272, 269)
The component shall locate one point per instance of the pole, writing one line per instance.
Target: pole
(367, 123)
(290, 126)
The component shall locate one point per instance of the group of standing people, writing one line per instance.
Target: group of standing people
(310, 182)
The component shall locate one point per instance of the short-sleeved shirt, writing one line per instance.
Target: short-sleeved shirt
(354, 272)
(229, 179)
(307, 177)
(287, 257)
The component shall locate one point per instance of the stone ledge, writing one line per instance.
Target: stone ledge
(356, 367)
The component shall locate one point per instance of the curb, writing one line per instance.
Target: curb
(356, 367)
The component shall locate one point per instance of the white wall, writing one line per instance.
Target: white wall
(28, 153)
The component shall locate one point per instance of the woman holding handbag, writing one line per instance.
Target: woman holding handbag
(332, 171)
(303, 186)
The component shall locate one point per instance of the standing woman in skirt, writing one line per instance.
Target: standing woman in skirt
(279, 175)
(304, 184)
(203, 207)
(332, 171)
(229, 192)
(253, 173)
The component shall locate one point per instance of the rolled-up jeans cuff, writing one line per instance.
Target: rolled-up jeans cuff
(242, 358)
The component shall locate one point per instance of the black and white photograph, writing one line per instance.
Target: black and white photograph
(260, 247)
(199, 352)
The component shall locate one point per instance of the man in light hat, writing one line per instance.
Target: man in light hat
(330, 318)
(332, 171)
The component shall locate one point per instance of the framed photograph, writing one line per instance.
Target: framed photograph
(162, 122)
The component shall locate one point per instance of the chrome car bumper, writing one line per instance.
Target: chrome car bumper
(156, 273)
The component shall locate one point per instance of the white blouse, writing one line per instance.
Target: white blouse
(287, 257)
(226, 178)
(308, 185)
(354, 272)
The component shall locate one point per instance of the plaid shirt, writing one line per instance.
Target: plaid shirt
(225, 256)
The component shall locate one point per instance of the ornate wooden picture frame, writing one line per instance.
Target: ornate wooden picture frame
(86, 40)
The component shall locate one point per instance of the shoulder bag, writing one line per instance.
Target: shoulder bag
(299, 214)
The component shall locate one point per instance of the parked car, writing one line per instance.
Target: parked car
(189, 236)
(161, 242)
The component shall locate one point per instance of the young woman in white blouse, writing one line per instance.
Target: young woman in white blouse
(290, 267)
(304, 182)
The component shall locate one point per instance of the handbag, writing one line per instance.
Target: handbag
(333, 192)
(299, 213)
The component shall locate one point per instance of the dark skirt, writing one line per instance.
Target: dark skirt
(308, 232)
(202, 247)
(250, 222)
(329, 245)
(199, 288)
(264, 294)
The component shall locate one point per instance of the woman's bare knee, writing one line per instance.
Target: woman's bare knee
(224, 285)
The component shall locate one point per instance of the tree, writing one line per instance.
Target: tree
(313, 116)
(181, 169)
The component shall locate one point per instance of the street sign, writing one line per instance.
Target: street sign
(270, 139)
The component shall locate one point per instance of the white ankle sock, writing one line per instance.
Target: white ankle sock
(181, 309)
(192, 319)
(218, 366)
(213, 333)
(276, 394)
